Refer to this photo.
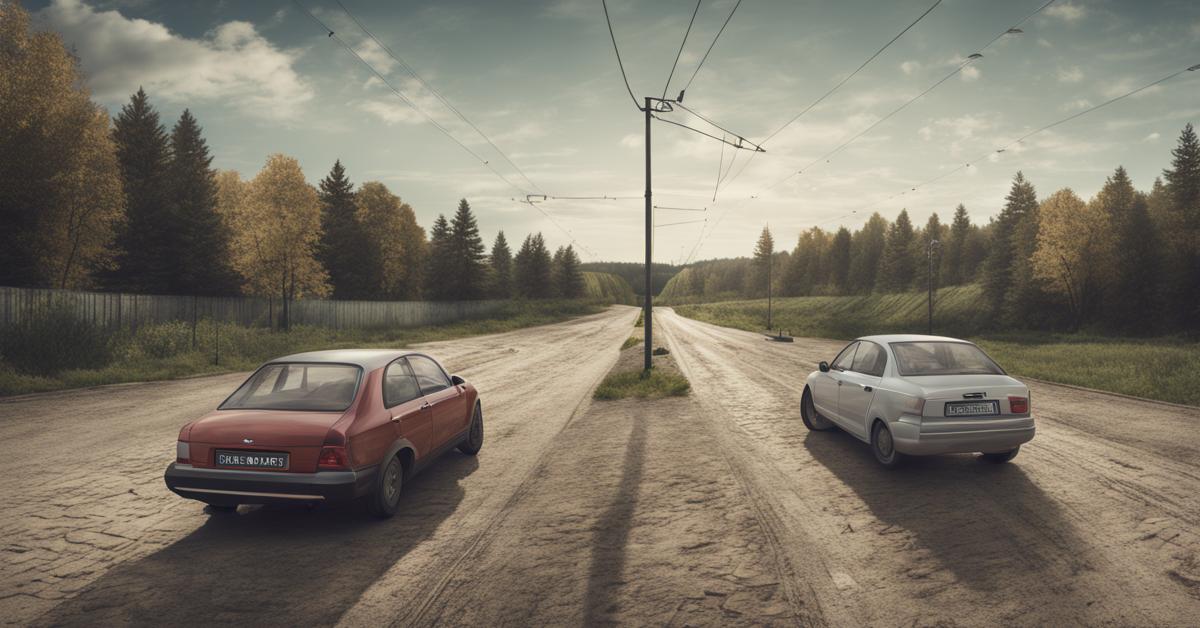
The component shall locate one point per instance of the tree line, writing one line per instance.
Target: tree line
(1125, 260)
(89, 201)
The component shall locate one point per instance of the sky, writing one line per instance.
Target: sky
(540, 80)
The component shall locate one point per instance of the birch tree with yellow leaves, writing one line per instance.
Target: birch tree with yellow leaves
(1072, 246)
(391, 227)
(277, 226)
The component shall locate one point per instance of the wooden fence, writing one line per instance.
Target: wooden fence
(112, 310)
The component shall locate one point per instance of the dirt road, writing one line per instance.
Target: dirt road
(1097, 521)
(718, 508)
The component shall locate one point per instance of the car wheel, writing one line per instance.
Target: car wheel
(808, 413)
(1003, 456)
(883, 446)
(220, 509)
(474, 440)
(385, 499)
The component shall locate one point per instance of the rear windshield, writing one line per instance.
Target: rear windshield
(943, 358)
(297, 386)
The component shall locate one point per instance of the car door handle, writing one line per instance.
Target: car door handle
(839, 382)
(396, 419)
(426, 405)
(867, 388)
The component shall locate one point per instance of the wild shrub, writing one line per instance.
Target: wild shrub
(55, 341)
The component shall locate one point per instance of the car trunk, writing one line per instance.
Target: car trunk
(942, 389)
(300, 435)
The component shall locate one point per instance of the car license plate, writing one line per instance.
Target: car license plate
(990, 407)
(252, 459)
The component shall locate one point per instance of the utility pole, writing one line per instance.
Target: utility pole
(648, 315)
(770, 263)
(932, 245)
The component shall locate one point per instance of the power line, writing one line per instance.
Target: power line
(435, 124)
(682, 209)
(1037, 131)
(710, 49)
(685, 222)
(740, 144)
(618, 51)
(412, 72)
(681, 45)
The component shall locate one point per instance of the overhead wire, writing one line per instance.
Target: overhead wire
(617, 50)
(413, 73)
(710, 49)
(681, 46)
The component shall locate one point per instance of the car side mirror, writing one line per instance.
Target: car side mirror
(457, 381)
(824, 366)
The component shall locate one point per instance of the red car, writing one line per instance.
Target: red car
(327, 426)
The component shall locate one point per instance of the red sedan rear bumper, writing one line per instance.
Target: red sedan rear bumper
(231, 487)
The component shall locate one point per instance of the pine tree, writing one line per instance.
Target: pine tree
(866, 248)
(933, 231)
(532, 265)
(998, 267)
(764, 256)
(348, 255)
(953, 249)
(1132, 249)
(1182, 230)
(502, 272)
(568, 279)
(897, 266)
(148, 242)
(202, 264)
(839, 261)
(468, 256)
(438, 286)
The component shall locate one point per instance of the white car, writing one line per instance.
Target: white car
(919, 395)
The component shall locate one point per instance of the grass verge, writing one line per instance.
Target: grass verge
(627, 379)
(165, 351)
(1166, 369)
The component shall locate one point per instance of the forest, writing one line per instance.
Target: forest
(1125, 261)
(126, 204)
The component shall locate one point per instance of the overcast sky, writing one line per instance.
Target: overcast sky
(540, 79)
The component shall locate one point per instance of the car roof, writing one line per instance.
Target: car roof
(888, 338)
(368, 359)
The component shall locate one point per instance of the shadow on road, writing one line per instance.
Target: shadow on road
(270, 566)
(985, 523)
(609, 542)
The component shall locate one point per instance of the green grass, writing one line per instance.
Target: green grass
(165, 351)
(607, 288)
(631, 341)
(641, 385)
(1167, 369)
(639, 322)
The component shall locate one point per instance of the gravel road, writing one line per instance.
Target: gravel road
(718, 508)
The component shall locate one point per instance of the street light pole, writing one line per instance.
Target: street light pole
(648, 314)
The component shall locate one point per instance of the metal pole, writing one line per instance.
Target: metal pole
(932, 243)
(769, 265)
(647, 316)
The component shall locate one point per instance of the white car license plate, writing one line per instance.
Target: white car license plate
(990, 407)
(252, 460)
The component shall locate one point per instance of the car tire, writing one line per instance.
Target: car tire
(384, 499)
(808, 413)
(1002, 457)
(883, 446)
(474, 440)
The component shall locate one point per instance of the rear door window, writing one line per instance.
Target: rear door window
(845, 358)
(870, 359)
(399, 384)
(430, 376)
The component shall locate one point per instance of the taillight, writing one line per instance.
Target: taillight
(1018, 405)
(333, 458)
(183, 453)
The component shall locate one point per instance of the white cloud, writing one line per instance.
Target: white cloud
(1045, 43)
(1068, 12)
(1070, 75)
(970, 73)
(632, 140)
(391, 112)
(233, 63)
(908, 67)
(375, 55)
(1153, 137)
(1080, 103)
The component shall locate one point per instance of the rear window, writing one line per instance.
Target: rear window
(943, 358)
(297, 386)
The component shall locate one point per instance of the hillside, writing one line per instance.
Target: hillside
(608, 288)
(634, 273)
